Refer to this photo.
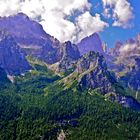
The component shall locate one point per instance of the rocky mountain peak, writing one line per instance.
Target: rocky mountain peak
(91, 60)
(94, 73)
(90, 43)
(116, 50)
(26, 31)
(70, 51)
(21, 16)
(70, 55)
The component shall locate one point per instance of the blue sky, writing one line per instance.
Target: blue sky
(112, 34)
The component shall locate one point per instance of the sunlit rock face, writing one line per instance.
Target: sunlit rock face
(91, 43)
(24, 30)
(31, 37)
(94, 73)
(70, 55)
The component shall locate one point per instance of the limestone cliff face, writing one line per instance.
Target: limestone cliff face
(25, 31)
(11, 59)
(91, 43)
(94, 73)
(70, 55)
(34, 41)
(70, 51)
(31, 38)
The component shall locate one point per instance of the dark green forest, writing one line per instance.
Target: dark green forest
(37, 107)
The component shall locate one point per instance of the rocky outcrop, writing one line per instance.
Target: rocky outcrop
(116, 50)
(31, 38)
(25, 31)
(61, 136)
(11, 59)
(70, 55)
(91, 43)
(94, 73)
(125, 101)
(70, 51)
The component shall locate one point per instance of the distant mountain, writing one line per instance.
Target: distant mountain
(25, 31)
(31, 37)
(116, 50)
(34, 41)
(82, 63)
(12, 60)
(124, 61)
(131, 78)
(128, 48)
(90, 43)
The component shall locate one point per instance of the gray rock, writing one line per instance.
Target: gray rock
(94, 73)
(11, 58)
(90, 43)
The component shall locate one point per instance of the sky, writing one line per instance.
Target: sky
(114, 20)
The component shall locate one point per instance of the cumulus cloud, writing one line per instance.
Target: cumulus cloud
(54, 16)
(121, 10)
(32, 8)
(87, 24)
(9, 7)
(127, 48)
(130, 49)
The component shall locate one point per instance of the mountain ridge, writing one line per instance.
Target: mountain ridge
(11, 58)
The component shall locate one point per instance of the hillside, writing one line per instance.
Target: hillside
(37, 106)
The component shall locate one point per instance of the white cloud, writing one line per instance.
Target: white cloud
(9, 7)
(106, 13)
(54, 15)
(127, 47)
(130, 49)
(122, 12)
(58, 27)
(32, 8)
(87, 24)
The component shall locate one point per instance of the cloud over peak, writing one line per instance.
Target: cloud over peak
(88, 24)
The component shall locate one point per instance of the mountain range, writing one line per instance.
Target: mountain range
(41, 66)
(21, 37)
